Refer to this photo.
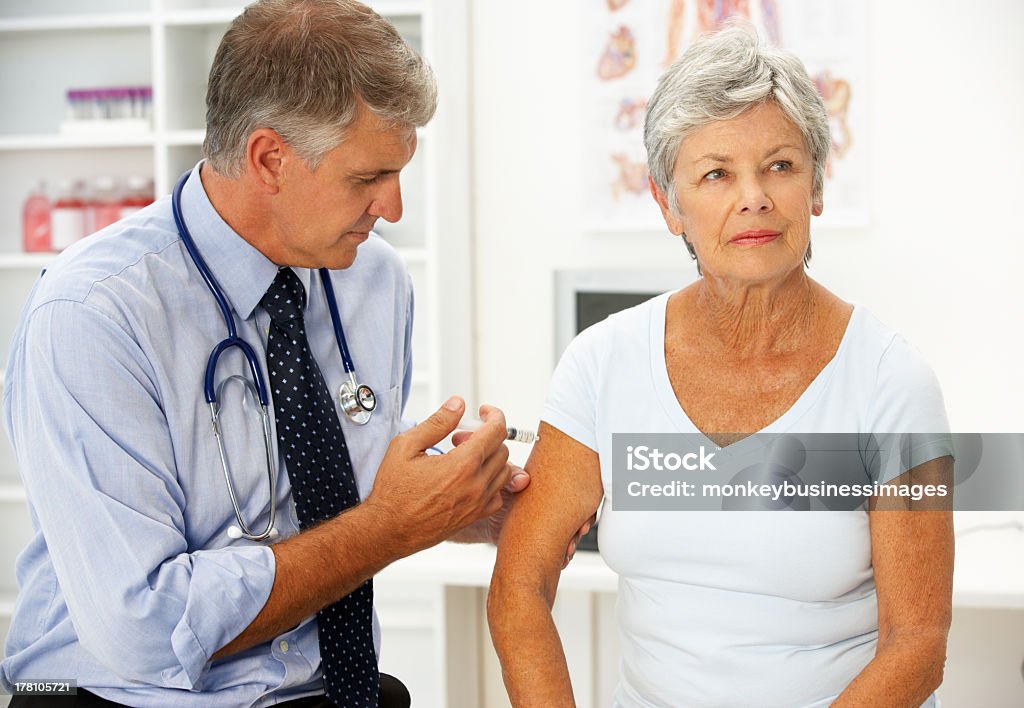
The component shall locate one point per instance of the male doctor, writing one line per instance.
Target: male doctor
(140, 582)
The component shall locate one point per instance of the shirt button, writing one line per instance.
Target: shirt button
(283, 646)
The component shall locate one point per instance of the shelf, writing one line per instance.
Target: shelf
(185, 137)
(12, 492)
(7, 604)
(26, 260)
(201, 16)
(215, 16)
(472, 564)
(397, 8)
(982, 577)
(60, 23)
(413, 255)
(62, 142)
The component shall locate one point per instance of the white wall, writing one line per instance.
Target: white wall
(942, 260)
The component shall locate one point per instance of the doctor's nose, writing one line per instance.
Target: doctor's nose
(388, 203)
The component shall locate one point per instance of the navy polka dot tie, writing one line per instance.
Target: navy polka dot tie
(323, 484)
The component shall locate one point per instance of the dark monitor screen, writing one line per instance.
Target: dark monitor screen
(592, 307)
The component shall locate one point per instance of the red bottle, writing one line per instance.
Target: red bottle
(104, 205)
(35, 221)
(67, 219)
(139, 194)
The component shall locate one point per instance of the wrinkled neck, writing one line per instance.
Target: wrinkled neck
(757, 319)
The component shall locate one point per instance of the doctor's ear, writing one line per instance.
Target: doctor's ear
(265, 158)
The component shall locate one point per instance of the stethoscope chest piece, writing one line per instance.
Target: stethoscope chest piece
(358, 402)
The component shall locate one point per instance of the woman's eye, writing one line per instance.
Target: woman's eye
(715, 175)
(781, 166)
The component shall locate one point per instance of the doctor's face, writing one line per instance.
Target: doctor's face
(324, 214)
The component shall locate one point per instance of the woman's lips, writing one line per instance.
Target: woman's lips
(755, 237)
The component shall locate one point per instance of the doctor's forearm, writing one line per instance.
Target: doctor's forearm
(318, 567)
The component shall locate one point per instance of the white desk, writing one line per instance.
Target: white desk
(989, 569)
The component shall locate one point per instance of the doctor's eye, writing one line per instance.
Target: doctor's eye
(781, 166)
(714, 175)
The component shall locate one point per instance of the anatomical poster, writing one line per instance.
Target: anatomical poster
(629, 43)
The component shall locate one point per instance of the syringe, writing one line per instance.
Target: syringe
(514, 434)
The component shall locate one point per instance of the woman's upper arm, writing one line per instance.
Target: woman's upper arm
(912, 555)
(565, 490)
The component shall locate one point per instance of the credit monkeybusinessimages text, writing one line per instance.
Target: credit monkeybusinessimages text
(786, 490)
(797, 471)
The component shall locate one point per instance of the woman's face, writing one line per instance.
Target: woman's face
(743, 187)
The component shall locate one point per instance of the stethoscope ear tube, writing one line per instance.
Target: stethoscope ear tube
(339, 333)
(209, 385)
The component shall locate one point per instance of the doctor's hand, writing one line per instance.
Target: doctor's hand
(489, 529)
(424, 499)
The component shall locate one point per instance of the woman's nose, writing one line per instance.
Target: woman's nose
(754, 198)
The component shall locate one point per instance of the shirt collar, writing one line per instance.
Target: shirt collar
(243, 273)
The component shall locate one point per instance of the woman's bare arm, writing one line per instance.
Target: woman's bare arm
(565, 490)
(912, 554)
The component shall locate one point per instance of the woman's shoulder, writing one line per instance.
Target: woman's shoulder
(872, 340)
(886, 363)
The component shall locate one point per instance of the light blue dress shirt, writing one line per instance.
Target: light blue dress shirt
(131, 582)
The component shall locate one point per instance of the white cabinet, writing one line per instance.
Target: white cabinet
(49, 46)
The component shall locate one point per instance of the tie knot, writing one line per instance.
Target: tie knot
(285, 297)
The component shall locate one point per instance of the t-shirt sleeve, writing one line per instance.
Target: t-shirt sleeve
(571, 403)
(908, 414)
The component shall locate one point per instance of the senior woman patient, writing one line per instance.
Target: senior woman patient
(753, 608)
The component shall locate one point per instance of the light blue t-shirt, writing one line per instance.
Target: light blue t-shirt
(131, 582)
(739, 609)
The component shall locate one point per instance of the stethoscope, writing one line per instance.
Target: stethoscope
(357, 400)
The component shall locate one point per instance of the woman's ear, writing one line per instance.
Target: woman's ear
(674, 223)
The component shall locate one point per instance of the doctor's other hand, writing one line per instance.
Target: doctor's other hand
(489, 529)
(571, 550)
(424, 499)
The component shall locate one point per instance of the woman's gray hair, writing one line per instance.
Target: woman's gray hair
(720, 76)
(302, 68)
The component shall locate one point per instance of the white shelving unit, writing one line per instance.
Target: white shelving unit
(49, 46)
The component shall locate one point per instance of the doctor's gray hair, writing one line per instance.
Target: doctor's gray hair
(303, 68)
(720, 76)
